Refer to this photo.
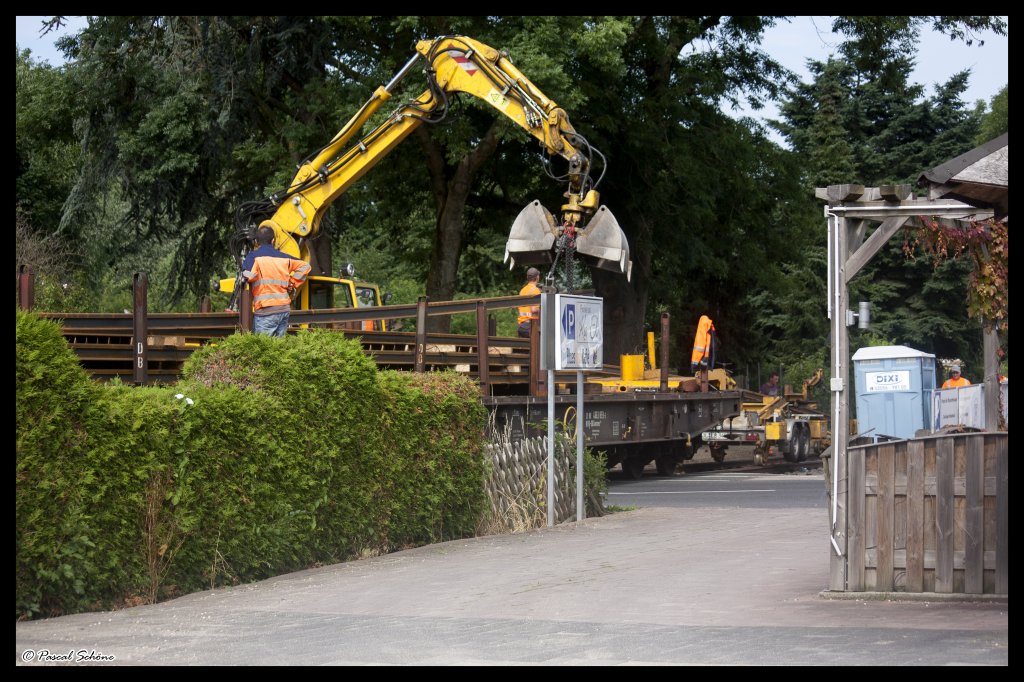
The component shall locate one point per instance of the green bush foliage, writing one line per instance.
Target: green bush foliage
(271, 455)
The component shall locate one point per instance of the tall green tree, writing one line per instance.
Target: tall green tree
(830, 150)
(895, 133)
(696, 192)
(997, 120)
(46, 146)
(184, 117)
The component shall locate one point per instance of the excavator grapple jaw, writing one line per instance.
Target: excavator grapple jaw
(533, 235)
(536, 239)
(602, 244)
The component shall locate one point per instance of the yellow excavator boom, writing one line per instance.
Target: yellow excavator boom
(458, 64)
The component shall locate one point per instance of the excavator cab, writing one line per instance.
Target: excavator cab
(326, 292)
(368, 296)
(320, 292)
(336, 292)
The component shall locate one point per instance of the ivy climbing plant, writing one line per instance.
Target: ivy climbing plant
(987, 244)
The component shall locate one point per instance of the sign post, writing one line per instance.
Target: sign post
(572, 329)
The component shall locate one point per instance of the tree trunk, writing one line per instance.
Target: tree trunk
(451, 187)
(625, 304)
(448, 239)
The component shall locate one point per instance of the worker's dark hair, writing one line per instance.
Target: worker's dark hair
(773, 374)
(265, 235)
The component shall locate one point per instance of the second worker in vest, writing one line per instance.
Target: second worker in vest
(529, 313)
(274, 276)
(703, 355)
(955, 380)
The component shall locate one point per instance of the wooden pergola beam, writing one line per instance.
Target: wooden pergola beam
(863, 255)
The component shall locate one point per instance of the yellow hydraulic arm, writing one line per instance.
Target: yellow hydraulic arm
(454, 64)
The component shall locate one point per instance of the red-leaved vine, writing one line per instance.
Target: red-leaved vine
(987, 244)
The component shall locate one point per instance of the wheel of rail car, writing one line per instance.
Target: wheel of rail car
(666, 465)
(688, 452)
(805, 442)
(717, 452)
(792, 451)
(633, 468)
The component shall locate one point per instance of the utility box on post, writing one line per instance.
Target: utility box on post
(894, 386)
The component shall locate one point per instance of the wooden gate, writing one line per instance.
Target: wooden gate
(929, 515)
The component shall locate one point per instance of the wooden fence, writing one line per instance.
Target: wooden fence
(517, 486)
(929, 515)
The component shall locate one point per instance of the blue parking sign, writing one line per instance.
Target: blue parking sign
(569, 322)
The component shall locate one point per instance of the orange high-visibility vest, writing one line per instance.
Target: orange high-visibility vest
(702, 341)
(959, 382)
(271, 276)
(529, 312)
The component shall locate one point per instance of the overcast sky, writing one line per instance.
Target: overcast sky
(791, 43)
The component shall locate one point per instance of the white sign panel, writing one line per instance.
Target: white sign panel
(579, 332)
(890, 380)
(960, 407)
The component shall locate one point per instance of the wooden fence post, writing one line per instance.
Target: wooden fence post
(663, 376)
(421, 333)
(483, 357)
(26, 287)
(245, 309)
(140, 333)
(538, 386)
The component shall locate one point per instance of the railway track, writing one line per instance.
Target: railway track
(742, 463)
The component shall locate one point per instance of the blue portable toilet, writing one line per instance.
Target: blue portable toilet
(894, 386)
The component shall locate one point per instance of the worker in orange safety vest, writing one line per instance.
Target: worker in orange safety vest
(703, 345)
(955, 380)
(528, 313)
(275, 276)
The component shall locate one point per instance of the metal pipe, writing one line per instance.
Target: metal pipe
(551, 447)
(581, 511)
(402, 72)
(928, 209)
(828, 301)
(837, 379)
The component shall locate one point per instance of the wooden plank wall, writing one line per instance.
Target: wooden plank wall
(930, 515)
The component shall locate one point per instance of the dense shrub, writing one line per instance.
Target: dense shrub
(270, 455)
(56, 543)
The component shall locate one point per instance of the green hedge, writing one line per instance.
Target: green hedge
(293, 452)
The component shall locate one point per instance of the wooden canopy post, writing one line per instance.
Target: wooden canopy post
(849, 209)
